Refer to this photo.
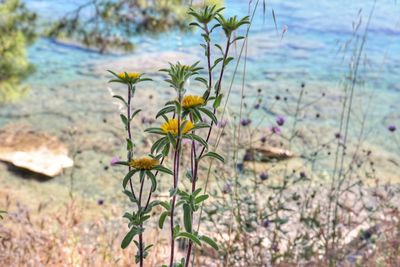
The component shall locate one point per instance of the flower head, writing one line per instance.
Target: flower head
(222, 123)
(276, 130)
(266, 223)
(129, 75)
(280, 120)
(263, 139)
(392, 128)
(245, 122)
(191, 101)
(227, 188)
(114, 160)
(171, 126)
(264, 176)
(143, 163)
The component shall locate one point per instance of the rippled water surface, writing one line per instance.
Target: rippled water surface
(308, 50)
(69, 87)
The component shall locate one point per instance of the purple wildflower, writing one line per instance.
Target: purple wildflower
(114, 160)
(248, 157)
(276, 130)
(100, 202)
(265, 223)
(240, 167)
(257, 106)
(227, 188)
(392, 128)
(264, 176)
(280, 120)
(222, 123)
(263, 139)
(245, 122)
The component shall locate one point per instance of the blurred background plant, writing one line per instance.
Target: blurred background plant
(112, 24)
(17, 32)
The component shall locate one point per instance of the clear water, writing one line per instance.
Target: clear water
(308, 49)
(308, 52)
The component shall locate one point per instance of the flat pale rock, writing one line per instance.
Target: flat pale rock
(37, 152)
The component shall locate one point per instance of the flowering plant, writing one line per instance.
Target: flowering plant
(187, 117)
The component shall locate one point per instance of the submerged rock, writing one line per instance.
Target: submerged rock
(267, 154)
(38, 152)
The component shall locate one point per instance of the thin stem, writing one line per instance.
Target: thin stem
(128, 126)
(141, 225)
(149, 196)
(176, 179)
(208, 63)
(218, 89)
(131, 91)
(341, 176)
(224, 110)
(194, 165)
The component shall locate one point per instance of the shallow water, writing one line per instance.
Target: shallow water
(68, 90)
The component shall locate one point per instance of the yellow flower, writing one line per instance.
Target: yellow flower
(143, 163)
(131, 75)
(191, 101)
(171, 126)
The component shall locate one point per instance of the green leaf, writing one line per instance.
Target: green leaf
(163, 169)
(171, 139)
(158, 144)
(210, 114)
(155, 130)
(130, 195)
(228, 60)
(237, 39)
(198, 139)
(200, 199)
(162, 219)
(196, 192)
(128, 177)
(218, 60)
(135, 113)
(128, 216)
(129, 145)
(165, 110)
(153, 180)
(217, 101)
(121, 98)
(165, 150)
(202, 80)
(173, 191)
(141, 175)
(210, 242)
(124, 120)
(128, 238)
(165, 205)
(125, 163)
(214, 155)
(190, 236)
(200, 126)
(187, 217)
(220, 48)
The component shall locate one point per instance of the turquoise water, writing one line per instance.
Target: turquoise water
(308, 50)
(67, 91)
